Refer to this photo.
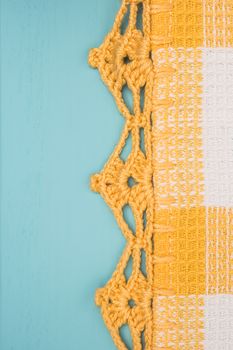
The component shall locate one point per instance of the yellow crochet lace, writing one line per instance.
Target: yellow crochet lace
(124, 60)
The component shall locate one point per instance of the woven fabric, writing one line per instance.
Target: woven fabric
(169, 66)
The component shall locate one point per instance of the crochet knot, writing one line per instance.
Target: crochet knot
(99, 296)
(95, 182)
(93, 58)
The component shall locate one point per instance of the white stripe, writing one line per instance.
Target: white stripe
(218, 126)
(218, 322)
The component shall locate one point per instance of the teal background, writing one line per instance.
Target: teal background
(59, 124)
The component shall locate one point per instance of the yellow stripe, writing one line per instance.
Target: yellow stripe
(185, 275)
(218, 20)
(220, 251)
(177, 23)
(192, 23)
(177, 32)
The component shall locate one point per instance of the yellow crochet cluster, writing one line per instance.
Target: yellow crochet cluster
(153, 53)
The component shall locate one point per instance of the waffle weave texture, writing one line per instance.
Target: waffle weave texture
(174, 59)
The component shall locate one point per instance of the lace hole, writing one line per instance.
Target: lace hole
(126, 60)
(131, 182)
(131, 303)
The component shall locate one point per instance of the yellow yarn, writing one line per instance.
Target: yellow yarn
(164, 59)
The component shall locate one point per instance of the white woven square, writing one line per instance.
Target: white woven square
(218, 126)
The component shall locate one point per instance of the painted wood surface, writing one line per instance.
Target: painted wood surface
(59, 241)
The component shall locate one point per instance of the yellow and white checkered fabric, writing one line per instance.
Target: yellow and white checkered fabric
(169, 65)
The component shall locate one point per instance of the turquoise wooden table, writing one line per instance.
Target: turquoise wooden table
(59, 241)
